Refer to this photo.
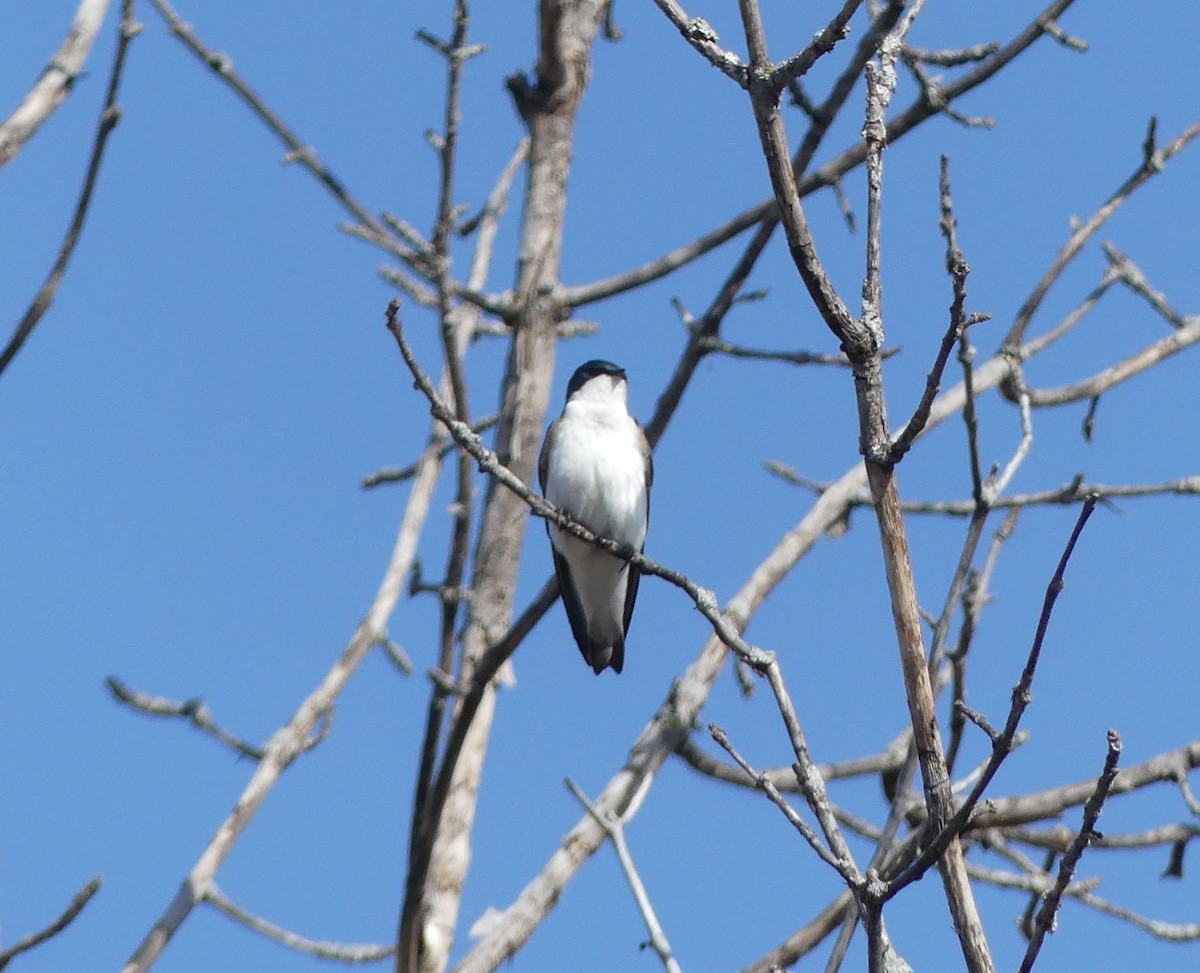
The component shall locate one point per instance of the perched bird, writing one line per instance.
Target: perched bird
(595, 464)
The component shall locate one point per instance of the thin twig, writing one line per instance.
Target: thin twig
(1038, 883)
(78, 901)
(110, 115)
(1134, 278)
(323, 949)
(297, 150)
(290, 740)
(711, 343)
(850, 158)
(1152, 163)
(194, 710)
(890, 759)
(763, 782)
(1059, 837)
(704, 40)
(959, 269)
(950, 58)
(1002, 744)
(1069, 494)
(615, 830)
(1045, 919)
(824, 41)
(398, 657)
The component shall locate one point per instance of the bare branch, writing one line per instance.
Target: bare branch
(1059, 837)
(798, 65)
(1044, 922)
(290, 740)
(1152, 163)
(1065, 39)
(398, 657)
(699, 34)
(323, 949)
(56, 82)
(949, 58)
(1038, 883)
(713, 344)
(935, 96)
(844, 867)
(297, 150)
(958, 268)
(1003, 742)
(804, 941)
(852, 157)
(398, 474)
(346, 953)
(1069, 494)
(1122, 371)
(615, 830)
(68, 915)
(110, 115)
(193, 710)
(784, 778)
(1132, 277)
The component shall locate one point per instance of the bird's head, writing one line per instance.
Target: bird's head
(596, 379)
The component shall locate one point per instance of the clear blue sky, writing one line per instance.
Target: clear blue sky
(183, 437)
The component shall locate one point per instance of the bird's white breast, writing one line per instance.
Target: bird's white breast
(597, 470)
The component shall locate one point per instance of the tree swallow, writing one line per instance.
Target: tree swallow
(595, 464)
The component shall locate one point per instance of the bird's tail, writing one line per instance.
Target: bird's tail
(601, 656)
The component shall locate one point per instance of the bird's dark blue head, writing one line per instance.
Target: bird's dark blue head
(589, 370)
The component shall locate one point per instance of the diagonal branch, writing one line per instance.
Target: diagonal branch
(615, 829)
(322, 949)
(1122, 371)
(68, 915)
(843, 866)
(110, 115)
(290, 739)
(1002, 743)
(900, 125)
(824, 41)
(1152, 163)
(704, 40)
(193, 710)
(1045, 919)
(57, 80)
(298, 151)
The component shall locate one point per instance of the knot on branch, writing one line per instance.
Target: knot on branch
(699, 29)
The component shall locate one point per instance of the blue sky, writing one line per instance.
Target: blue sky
(185, 434)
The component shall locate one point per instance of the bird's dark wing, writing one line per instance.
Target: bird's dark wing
(649, 457)
(570, 600)
(634, 574)
(544, 455)
(631, 589)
